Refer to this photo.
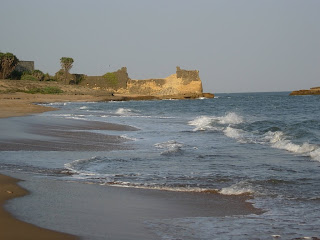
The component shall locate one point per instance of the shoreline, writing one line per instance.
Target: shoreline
(169, 203)
(17, 105)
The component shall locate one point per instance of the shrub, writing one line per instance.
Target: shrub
(111, 78)
(16, 75)
(27, 76)
(38, 75)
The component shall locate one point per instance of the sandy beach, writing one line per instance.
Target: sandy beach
(85, 210)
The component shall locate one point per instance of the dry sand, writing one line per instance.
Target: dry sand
(21, 104)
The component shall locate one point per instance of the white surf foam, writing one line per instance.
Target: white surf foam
(202, 123)
(230, 118)
(162, 188)
(232, 133)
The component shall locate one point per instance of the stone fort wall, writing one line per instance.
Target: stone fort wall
(25, 66)
(180, 83)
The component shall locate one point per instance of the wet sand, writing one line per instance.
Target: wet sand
(90, 211)
(13, 229)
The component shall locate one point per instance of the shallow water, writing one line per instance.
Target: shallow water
(263, 144)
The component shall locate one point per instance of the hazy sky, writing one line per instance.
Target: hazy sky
(238, 45)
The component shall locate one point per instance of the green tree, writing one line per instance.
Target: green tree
(66, 64)
(8, 62)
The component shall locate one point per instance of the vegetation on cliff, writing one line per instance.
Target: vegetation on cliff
(111, 78)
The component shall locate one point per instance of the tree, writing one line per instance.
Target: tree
(8, 62)
(66, 64)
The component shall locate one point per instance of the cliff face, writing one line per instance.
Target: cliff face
(184, 83)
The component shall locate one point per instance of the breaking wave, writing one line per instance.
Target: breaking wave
(279, 140)
(233, 126)
(203, 123)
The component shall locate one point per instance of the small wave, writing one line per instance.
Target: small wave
(83, 108)
(171, 147)
(128, 138)
(241, 188)
(80, 165)
(125, 112)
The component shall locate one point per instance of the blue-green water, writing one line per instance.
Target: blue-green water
(263, 144)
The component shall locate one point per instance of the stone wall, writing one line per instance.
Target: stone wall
(183, 82)
(25, 66)
(187, 75)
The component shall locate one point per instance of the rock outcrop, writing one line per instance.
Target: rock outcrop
(311, 91)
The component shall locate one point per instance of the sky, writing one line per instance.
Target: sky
(237, 45)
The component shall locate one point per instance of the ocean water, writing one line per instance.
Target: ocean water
(266, 145)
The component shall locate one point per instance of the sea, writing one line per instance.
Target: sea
(263, 145)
